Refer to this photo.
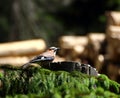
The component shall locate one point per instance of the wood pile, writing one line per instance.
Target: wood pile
(112, 62)
(94, 47)
(72, 46)
(82, 48)
(17, 53)
(113, 71)
(113, 18)
(96, 39)
(113, 36)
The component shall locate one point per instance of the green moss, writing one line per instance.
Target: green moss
(43, 83)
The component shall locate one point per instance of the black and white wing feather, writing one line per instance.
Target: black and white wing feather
(38, 59)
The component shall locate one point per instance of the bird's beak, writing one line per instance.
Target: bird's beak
(57, 48)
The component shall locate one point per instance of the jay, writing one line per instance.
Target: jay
(45, 57)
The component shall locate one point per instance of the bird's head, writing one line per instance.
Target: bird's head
(53, 49)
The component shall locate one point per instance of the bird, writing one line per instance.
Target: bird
(45, 57)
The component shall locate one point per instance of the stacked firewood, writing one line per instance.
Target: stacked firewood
(18, 53)
(94, 49)
(72, 46)
(82, 48)
(113, 36)
(113, 47)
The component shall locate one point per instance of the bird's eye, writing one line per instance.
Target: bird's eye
(50, 49)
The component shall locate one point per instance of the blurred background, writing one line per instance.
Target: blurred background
(87, 31)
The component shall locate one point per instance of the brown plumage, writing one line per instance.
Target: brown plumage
(45, 57)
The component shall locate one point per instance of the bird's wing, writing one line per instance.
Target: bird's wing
(41, 58)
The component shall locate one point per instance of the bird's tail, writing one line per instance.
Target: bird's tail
(25, 65)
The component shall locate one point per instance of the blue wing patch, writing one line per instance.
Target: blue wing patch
(41, 58)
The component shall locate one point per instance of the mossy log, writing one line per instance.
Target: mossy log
(44, 83)
(70, 66)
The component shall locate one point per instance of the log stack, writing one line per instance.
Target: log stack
(18, 53)
(72, 46)
(93, 48)
(113, 36)
(82, 48)
(113, 48)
